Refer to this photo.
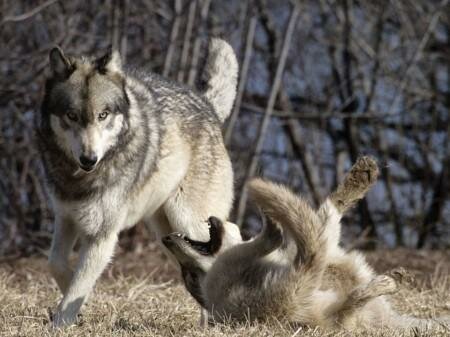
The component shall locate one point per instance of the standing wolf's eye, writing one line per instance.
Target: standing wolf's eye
(102, 115)
(72, 116)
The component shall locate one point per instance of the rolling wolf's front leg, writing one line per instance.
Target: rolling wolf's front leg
(94, 256)
(64, 238)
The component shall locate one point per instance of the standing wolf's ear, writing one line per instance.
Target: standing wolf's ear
(110, 62)
(59, 63)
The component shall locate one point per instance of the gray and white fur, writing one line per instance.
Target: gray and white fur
(121, 145)
(294, 270)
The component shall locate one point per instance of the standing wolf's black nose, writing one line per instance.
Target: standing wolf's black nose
(88, 163)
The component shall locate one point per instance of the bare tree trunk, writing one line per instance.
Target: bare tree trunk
(442, 185)
(393, 214)
(294, 132)
(173, 38)
(119, 19)
(115, 24)
(197, 44)
(263, 127)
(440, 193)
(187, 41)
(291, 127)
(243, 78)
(123, 40)
(349, 104)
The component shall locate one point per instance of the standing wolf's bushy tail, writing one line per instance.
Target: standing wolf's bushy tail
(221, 76)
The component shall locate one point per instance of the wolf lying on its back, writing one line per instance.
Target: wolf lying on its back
(120, 146)
(294, 270)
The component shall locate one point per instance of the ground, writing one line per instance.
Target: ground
(140, 295)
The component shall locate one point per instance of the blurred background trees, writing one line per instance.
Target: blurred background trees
(321, 82)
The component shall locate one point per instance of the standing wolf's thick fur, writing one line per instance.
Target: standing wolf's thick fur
(294, 270)
(120, 146)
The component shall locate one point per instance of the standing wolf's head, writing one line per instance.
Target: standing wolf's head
(86, 106)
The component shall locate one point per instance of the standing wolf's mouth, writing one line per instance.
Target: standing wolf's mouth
(87, 169)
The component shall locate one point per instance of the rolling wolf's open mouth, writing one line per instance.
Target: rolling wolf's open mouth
(200, 246)
(209, 247)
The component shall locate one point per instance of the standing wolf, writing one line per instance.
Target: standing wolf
(120, 146)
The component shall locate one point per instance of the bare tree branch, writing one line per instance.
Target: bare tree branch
(173, 38)
(273, 95)
(197, 44)
(243, 78)
(187, 40)
(29, 14)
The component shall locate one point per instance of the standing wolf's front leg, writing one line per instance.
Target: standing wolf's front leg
(94, 256)
(64, 237)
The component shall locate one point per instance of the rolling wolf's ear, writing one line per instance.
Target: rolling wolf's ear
(110, 62)
(59, 63)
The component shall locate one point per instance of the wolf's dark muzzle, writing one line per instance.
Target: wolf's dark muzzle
(88, 163)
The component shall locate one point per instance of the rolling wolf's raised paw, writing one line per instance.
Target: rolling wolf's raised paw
(357, 182)
(365, 171)
(403, 277)
(382, 285)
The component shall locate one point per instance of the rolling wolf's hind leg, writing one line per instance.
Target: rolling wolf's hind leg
(380, 285)
(64, 238)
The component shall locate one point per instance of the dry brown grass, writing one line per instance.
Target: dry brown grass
(140, 295)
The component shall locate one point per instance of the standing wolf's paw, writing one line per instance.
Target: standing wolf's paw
(59, 320)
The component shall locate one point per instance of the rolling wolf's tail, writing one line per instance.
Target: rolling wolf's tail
(298, 220)
(220, 77)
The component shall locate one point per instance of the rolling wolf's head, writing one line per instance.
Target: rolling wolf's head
(85, 107)
(196, 257)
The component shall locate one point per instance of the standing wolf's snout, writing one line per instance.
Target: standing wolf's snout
(88, 162)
